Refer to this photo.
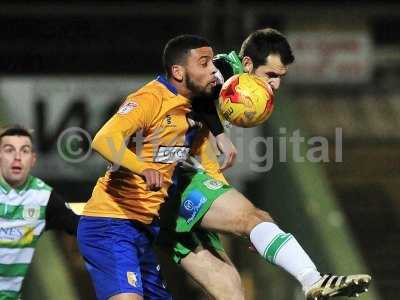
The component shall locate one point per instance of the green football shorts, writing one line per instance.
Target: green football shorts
(179, 217)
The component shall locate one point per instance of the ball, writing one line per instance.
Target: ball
(246, 100)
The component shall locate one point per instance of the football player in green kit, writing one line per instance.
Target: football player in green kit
(208, 205)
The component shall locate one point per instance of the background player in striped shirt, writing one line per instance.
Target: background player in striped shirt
(28, 207)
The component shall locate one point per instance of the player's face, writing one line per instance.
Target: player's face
(16, 159)
(200, 72)
(273, 70)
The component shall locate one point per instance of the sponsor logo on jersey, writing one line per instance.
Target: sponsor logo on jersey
(127, 107)
(132, 279)
(16, 235)
(31, 213)
(11, 233)
(169, 155)
(213, 184)
(192, 205)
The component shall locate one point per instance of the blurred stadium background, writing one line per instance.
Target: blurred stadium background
(69, 64)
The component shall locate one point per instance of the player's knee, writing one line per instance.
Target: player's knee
(256, 217)
(246, 220)
(264, 216)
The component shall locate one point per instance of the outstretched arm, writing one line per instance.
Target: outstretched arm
(112, 139)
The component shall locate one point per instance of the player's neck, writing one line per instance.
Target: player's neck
(181, 88)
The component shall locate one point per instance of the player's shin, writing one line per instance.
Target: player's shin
(282, 249)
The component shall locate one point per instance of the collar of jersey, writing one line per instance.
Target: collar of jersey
(6, 188)
(161, 79)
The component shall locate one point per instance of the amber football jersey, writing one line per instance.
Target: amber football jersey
(156, 126)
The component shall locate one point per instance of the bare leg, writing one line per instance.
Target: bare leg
(216, 275)
(234, 213)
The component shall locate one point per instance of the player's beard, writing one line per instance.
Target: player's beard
(198, 92)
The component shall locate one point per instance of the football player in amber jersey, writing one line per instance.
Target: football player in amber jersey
(119, 221)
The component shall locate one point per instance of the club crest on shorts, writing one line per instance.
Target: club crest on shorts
(127, 107)
(132, 279)
(213, 184)
(31, 213)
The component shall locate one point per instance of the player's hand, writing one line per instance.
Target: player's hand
(226, 147)
(154, 179)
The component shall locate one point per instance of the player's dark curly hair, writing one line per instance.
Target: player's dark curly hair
(177, 49)
(15, 130)
(264, 42)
